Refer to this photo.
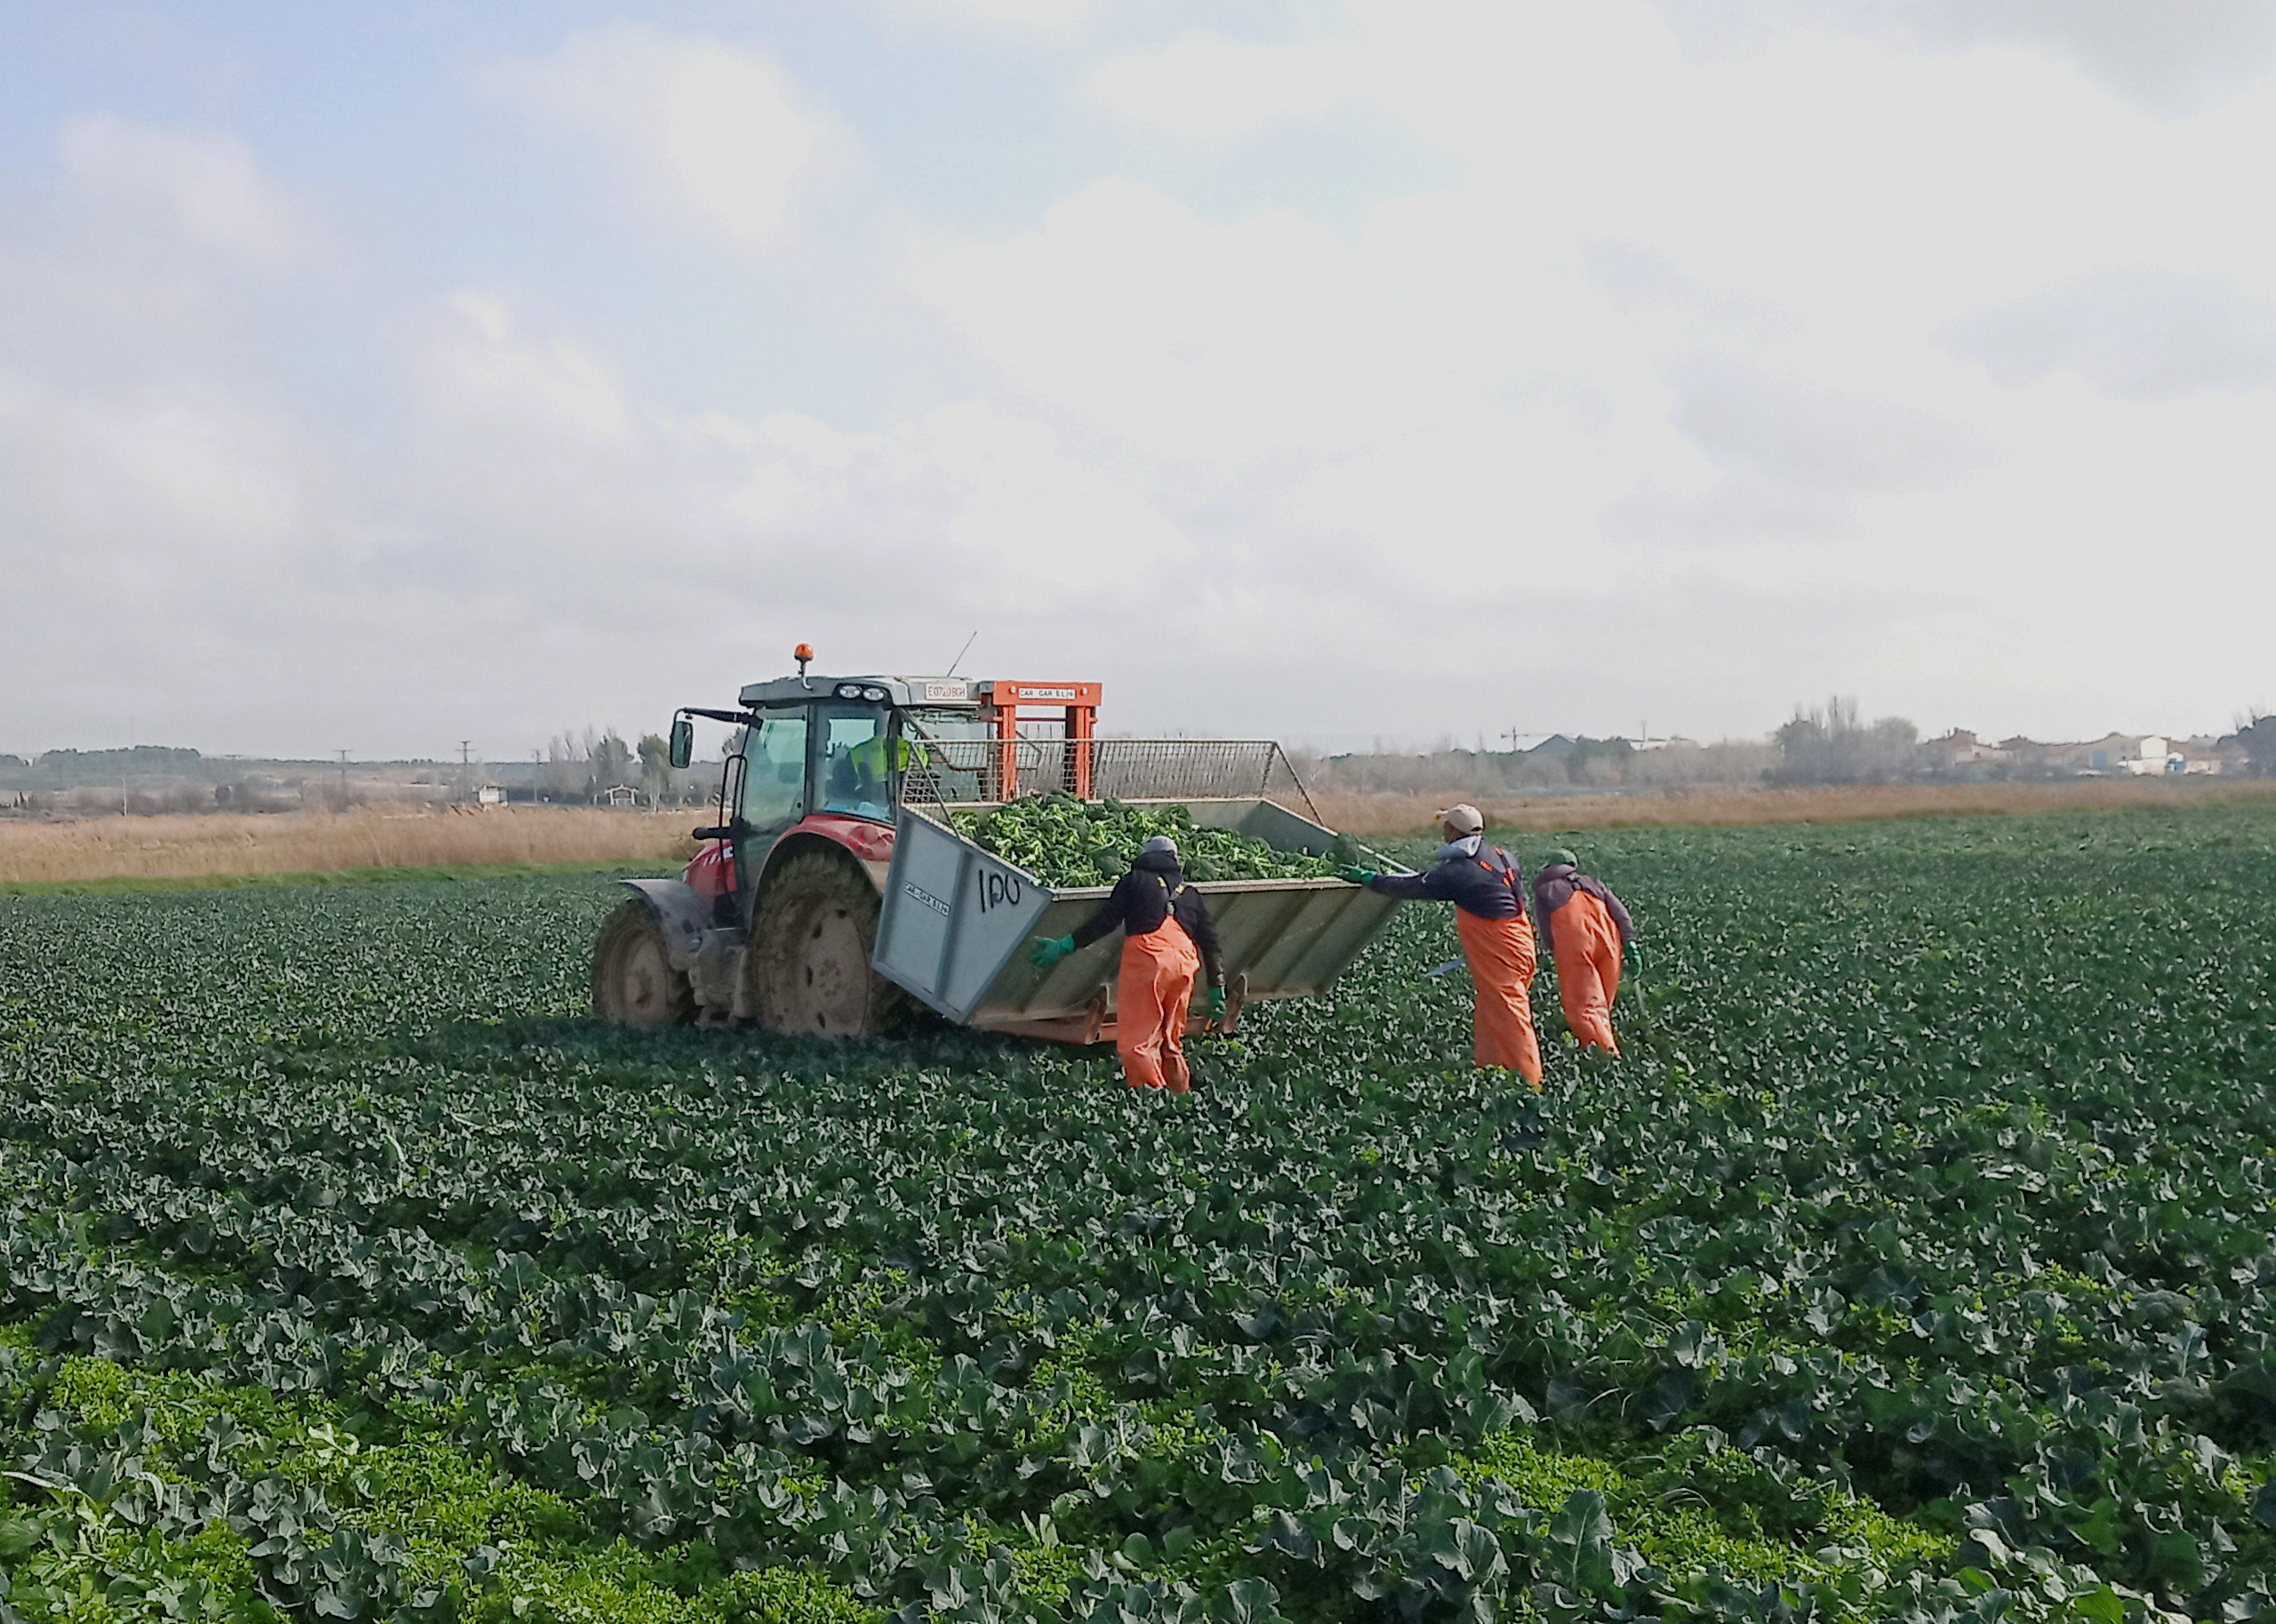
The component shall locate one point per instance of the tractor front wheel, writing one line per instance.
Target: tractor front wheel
(633, 978)
(809, 956)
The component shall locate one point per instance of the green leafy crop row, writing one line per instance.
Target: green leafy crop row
(1918, 1262)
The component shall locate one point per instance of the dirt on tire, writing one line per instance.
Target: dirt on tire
(809, 964)
(634, 983)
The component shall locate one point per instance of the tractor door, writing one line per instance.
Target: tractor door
(774, 793)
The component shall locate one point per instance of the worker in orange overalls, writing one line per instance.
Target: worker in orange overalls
(1169, 940)
(1586, 933)
(1488, 895)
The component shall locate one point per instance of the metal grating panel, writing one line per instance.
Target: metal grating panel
(957, 772)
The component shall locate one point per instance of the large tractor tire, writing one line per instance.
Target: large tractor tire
(633, 978)
(809, 959)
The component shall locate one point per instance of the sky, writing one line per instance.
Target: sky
(378, 377)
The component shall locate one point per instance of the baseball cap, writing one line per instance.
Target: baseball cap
(1464, 818)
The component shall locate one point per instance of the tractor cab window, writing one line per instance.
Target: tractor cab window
(775, 771)
(951, 757)
(860, 759)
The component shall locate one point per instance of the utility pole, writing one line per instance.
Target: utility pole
(466, 768)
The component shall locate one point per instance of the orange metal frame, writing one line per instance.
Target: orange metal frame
(1003, 701)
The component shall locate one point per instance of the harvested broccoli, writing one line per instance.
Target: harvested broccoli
(1064, 843)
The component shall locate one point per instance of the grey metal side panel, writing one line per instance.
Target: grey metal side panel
(680, 915)
(952, 917)
(1266, 821)
(1291, 937)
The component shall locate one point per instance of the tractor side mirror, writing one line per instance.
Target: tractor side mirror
(683, 745)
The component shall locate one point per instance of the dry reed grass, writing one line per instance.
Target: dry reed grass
(1411, 814)
(368, 837)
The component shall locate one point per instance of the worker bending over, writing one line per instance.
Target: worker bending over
(1167, 936)
(1586, 930)
(1488, 895)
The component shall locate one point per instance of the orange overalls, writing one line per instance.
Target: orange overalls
(1502, 962)
(1587, 945)
(1152, 995)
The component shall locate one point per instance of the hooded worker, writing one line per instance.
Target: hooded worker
(1488, 895)
(1586, 931)
(1167, 939)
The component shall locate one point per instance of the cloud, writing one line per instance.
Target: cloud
(2141, 333)
(2173, 60)
(1182, 337)
(1058, 18)
(1820, 439)
(193, 188)
(486, 371)
(1204, 87)
(719, 131)
(469, 540)
(1686, 372)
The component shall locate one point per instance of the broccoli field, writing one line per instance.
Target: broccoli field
(1916, 1264)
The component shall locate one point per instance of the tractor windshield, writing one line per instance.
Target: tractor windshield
(858, 760)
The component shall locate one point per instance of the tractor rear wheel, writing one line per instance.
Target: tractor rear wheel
(809, 956)
(633, 978)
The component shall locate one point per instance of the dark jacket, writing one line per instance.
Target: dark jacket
(1477, 878)
(1148, 895)
(1553, 888)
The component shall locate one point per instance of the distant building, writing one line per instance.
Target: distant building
(2211, 757)
(621, 795)
(490, 794)
(2158, 756)
(1960, 755)
(1963, 754)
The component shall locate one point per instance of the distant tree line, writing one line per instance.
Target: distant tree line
(588, 768)
(2257, 740)
(1831, 745)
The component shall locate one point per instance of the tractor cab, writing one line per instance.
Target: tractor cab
(810, 747)
(849, 746)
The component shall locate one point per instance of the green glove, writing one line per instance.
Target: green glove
(1357, 876)
(1048, 952)
(1216, 1004)
(1634, 955)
